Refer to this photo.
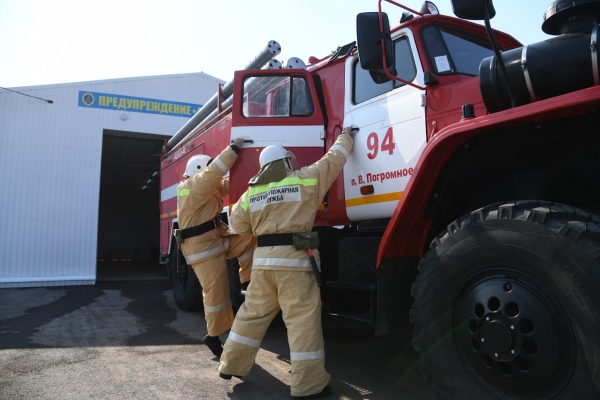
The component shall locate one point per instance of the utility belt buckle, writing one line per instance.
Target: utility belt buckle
(178, 235)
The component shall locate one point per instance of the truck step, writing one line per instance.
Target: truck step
(352, 299)
(356, 316)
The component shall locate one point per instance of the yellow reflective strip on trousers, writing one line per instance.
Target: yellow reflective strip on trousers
(183, 192)
(284, 182)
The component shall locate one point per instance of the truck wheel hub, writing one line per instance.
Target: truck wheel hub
(511, 336)
(498, 337)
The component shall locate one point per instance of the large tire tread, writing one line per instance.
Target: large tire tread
(186, 291)
(577, 286)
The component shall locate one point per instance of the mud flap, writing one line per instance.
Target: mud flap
(394, 300)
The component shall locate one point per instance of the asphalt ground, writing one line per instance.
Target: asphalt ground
(126, 339)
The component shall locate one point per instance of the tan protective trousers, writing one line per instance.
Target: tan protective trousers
(214, 280)
(297, 295)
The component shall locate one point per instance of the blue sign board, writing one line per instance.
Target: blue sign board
(136, 104)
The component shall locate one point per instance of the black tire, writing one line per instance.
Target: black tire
(186, 287)
(526, 277)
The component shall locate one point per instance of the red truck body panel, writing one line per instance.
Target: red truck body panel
(406, 232)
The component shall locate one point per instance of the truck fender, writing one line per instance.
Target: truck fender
(408, 229)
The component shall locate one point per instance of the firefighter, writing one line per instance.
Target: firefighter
(207, 242)
(279, 208)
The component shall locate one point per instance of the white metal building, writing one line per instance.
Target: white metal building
(77, 172)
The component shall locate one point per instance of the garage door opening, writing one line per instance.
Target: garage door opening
(128, 220)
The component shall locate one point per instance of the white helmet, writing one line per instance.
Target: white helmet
(274, 153)
(196, 164)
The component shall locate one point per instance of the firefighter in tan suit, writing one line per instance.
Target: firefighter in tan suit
(279, 202)
(208, 242)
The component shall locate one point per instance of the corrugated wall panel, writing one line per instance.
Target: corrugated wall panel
(50, 156)
(7, 183)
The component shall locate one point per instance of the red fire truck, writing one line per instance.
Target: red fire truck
(469, 207)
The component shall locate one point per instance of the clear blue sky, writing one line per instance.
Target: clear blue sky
(58, 41)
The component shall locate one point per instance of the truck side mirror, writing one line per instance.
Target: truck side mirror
(368, 37)
(472, 9)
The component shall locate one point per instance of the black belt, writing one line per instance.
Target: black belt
(202, 228)
(276, 239)
(286, 239)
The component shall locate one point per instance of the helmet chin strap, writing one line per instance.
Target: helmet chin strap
(288, 165)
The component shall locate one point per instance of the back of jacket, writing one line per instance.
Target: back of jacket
(199, 199)
(288, 206)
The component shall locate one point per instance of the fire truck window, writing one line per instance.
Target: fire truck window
(405, 64)
(280, 101)
(269, 97)
(452, 51)
(366, 88)
(301, 103)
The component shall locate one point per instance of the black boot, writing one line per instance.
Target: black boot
(228, 377)
(324, 393)
(214, 344)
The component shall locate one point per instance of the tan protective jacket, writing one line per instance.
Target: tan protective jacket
(199, 199)
(288, 206)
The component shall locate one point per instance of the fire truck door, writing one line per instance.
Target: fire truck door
(273, 107)
(391, 118)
